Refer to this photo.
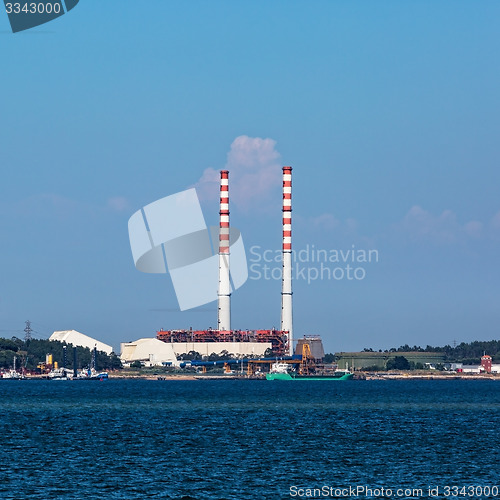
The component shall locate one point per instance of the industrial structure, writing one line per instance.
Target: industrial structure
(313, 344)
(224, 290)
(81, 340)
(238, 342)
(224, 338)
(148, 351)
(286, 275)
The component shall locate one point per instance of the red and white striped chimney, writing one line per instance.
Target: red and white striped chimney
(224, 292)
(286, 280)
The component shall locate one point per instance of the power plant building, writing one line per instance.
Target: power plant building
(183, 343)
(224, 338)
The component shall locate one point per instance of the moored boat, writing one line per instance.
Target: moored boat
(10, 375)
(60, 374)
(92, 373)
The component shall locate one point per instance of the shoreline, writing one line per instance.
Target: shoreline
(433, 376)
(362, 376)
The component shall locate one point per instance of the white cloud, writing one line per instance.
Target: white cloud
(495, 222)
(322, 222)
(329, 229)
(118, 203)
(254, 173)
(50, 205)
(474, 229)
(420, 224)
(46, 204)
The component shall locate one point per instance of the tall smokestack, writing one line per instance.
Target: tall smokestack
(286, 281)
(224, 293)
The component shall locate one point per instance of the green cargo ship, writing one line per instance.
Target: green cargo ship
(279, 371)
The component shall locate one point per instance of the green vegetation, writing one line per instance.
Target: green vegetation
(31, 354)
(222, 356)
(190, 356)
(465, 352)
(398, 363)
(329, 358)
(196, 356)
(416, 357)
(219, 357)
(9, 345)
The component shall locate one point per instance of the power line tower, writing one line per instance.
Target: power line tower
(27, 332)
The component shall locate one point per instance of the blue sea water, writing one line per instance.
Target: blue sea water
(230, 440)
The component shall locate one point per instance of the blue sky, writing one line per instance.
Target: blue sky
(387, 111)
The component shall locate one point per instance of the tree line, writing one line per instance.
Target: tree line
(465, 352)
(31, 353)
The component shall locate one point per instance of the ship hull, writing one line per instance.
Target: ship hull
(287, 376)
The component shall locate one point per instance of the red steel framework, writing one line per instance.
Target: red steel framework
(277, 338)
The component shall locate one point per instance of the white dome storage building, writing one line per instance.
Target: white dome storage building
(81, 340)
(149, 351)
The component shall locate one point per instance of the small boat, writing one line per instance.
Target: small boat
(10, 375)
(92, 373)
(60, 374)
(13, 374)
